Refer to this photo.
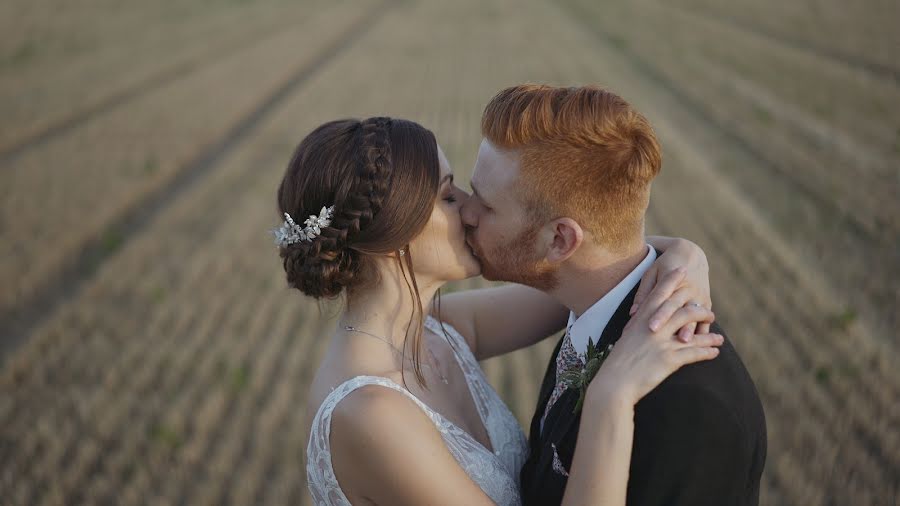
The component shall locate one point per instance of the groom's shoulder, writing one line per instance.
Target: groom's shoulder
(704, 425)
(720, 389)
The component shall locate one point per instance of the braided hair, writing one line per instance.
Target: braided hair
(327, 265)
(382, 176)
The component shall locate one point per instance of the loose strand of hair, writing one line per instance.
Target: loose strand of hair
(420, 313)
(436, 302)
(417, 367)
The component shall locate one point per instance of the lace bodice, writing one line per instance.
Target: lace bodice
(497, 472)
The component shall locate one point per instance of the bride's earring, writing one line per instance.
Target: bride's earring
(402, 252)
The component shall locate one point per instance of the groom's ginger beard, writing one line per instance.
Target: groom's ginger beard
(515, 261)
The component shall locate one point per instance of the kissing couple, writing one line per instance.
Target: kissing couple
(644, 400)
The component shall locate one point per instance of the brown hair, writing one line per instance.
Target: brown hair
(382, 175)
(591, 155)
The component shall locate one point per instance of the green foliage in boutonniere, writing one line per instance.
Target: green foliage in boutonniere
(580, 379)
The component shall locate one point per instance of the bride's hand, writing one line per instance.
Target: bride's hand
(694, 288)
(643, 358)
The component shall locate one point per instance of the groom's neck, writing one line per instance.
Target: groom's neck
(585, 282)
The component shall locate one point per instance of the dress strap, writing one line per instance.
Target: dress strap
(460, 345)
(347, 387)
(323, 483)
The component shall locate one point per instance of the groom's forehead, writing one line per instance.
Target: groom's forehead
(495, 168)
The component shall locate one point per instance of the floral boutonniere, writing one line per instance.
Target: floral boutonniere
(580, 379)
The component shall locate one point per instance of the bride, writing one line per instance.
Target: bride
(399, 411)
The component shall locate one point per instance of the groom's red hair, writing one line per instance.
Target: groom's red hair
(585, 153)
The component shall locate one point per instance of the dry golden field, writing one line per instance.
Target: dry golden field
(150, 352)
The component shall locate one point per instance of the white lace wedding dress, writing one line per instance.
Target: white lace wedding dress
(497, 472)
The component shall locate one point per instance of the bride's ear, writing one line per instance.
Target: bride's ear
(567, 237)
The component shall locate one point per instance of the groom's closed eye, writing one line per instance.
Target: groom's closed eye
(477, 194)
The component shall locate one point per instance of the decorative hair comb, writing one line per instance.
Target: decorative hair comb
(290, 233)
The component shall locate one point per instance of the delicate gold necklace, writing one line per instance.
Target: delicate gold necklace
(351, 328)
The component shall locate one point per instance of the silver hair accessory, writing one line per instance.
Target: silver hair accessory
(290, 233)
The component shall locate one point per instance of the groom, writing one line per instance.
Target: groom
(561, 186)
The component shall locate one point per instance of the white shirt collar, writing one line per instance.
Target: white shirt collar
(592, 322)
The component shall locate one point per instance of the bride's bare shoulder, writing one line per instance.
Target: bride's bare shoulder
(379, 434)
(337, 368)
(372, 430)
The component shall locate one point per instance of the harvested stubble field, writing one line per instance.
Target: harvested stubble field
(150, 351)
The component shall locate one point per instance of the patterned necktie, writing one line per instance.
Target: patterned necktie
(566, 359)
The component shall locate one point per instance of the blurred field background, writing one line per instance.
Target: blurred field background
(150, 352)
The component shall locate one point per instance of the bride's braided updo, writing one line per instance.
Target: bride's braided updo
(382, 177)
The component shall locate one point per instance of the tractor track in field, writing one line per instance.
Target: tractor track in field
(874, 69)
(41, 135)
(38, 138)
(22, 317)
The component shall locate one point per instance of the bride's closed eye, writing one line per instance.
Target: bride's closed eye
(453, 196)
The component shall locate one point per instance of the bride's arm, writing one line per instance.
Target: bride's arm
(512, 316)
(515, 316)
(607, 447)
(695, 289)
(638, 363)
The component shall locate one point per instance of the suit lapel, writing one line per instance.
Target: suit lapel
(549, 380)
(561, 416)
(546, 390)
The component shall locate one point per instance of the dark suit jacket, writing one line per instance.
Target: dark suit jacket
(699, 437)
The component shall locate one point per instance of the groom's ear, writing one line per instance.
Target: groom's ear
(567, 237)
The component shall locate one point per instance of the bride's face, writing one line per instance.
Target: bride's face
(440, 251)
